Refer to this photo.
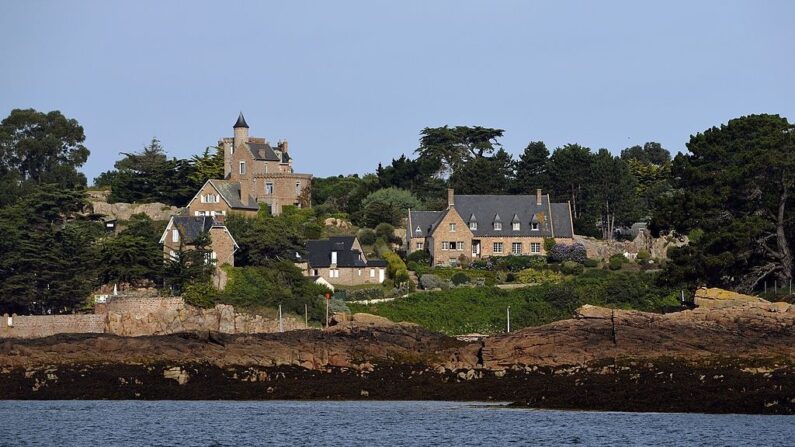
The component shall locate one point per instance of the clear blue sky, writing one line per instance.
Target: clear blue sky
(351, 84)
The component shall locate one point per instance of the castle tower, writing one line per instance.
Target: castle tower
(241, 131)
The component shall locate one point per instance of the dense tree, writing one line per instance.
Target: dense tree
(650, 153)
(208, 165)
(417, 176)
(532, 169)
(611, 193)
(451, 147)
(484, 175)
(134, 255)
(570, 172)
(736, 186)
(267, 238)
(189, 265)
(387, 205)
(150, 176)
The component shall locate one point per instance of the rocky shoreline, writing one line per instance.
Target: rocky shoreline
(734, 360)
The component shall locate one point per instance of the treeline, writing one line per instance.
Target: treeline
(605, 191)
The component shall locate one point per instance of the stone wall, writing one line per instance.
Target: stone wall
(142, 316)
(123, 211)
(37, 326)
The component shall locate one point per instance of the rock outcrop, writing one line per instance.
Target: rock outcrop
(657, 247)
(716, 298)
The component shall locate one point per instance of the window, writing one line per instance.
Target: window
(473, 226)
(534, 226)
(174, 235)
(516, 226)
(334, 273)
(268, 188)
(497, 247)
(452, 227)
(372, 273)
(420, 245)
(200, 213)
(497, 226)
(445, 245)
(314, 272)
(460, 245)
(418, 230)
(359, 272)
(209, 258)
(333, 257)
(516, 248)
(298, 187)
(172, 254)
(242, 167)
(535, 247)
(209, 198)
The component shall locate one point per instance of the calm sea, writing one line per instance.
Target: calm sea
(170, 423)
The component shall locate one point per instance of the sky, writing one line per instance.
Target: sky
(352, 83)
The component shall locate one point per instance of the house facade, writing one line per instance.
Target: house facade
(339, 260)
(182, 232)
(254, 173)
(479, 226)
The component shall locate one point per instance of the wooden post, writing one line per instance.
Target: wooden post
(306, 316)
(281, 325)
(508, 312)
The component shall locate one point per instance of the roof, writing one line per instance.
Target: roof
(319, 253)
(263, 151)
(521, 209)
(190, 227)
(230, 192)
(423, 222)
(241, 122)
(489, 208)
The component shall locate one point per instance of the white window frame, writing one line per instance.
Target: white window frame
(242, 168)
(516, 226)
(333, 257)
(514, 249)
(496, 245)
(452, 227)
(535, 247)
(534, 226)
(473, 226)
(372, 273)
(268, 188)
(445, 245)
(420, 245)
(459, 245)
(174, 235)
(497, 226)
(298, 187)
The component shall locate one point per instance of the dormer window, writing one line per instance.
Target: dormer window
(497, 226)
(473, 226)
(534, 226)
(515, 226)
(418, 230)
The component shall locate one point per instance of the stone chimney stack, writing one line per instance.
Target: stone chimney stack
(241, 131)
(450, 198)
(538, 196)
(283, 145)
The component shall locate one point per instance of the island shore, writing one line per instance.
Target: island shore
(732, 360)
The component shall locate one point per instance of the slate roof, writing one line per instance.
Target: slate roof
(241, 122)
(190, 227)
(319, 253)
(487, 209)
(230, 191)
(425, 221)
(262, 151)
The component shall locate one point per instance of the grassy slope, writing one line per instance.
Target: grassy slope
(483, 310)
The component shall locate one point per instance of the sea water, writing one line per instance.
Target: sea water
(226, 423)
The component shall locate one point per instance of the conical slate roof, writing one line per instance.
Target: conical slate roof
(241, 122)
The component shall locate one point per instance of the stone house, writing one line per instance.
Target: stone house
(181, 233)
(478, 226)
(339, 260)
(254, 173)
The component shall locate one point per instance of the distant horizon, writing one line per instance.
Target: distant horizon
(352, 84)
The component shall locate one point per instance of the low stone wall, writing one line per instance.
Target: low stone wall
(141, 316)
(36, 326)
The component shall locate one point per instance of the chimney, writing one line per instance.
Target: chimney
(283, 145)
(538, 196)
(450, 198)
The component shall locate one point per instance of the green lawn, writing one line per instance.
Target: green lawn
(483, 309)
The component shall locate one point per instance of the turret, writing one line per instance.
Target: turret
(241, 132)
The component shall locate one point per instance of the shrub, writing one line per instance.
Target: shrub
(510, 277)
(366, 236)
(396, 268)
(617, 261)
(573, 252)
(459, 278)
(512, 263)
(420, 257)
(429, 281)
(385, 231)
(533, 276)
(571, 268)
(370, 293)
(200, 295)
(549, 243)
(591, 263)
(643, 257)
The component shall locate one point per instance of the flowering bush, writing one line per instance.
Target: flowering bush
(562, 252)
